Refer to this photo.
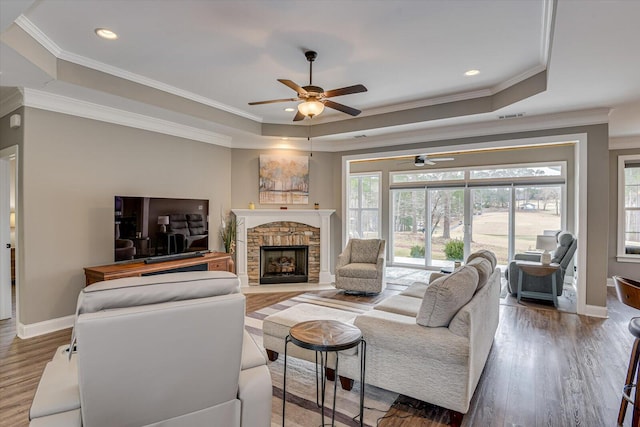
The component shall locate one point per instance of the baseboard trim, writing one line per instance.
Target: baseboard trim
(596, 311)
(40, 328)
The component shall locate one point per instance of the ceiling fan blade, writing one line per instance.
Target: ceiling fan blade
(345, 91)
(273, 101)
(349, 110)
(429, 162)
(293, 86)
(299, 116)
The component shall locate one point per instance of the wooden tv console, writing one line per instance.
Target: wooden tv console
(218, 261)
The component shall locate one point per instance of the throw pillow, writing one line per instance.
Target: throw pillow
(483, 253)
(446, 295)
(365, 250)
(483, 266)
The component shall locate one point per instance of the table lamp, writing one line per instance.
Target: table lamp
(546, 243)
(163, 221)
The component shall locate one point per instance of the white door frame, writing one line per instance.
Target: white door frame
(6, 155)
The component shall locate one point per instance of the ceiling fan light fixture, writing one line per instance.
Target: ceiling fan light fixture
(311, 108)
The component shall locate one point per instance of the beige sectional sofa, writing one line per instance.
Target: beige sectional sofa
(431, 342)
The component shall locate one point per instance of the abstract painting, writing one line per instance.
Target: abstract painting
(284, 179)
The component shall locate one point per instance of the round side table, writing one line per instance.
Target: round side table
(323, 336)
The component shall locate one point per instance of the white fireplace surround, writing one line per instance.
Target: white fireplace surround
(249, 218)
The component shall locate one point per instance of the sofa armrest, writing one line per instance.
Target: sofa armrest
(58, 391)
(527, 257)
(254, 385)
(402, 334)
(255, 394)
(62, 419)
(435, 275)
(343, 259)
(252, 355)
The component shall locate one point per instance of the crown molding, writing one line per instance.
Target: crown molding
(624, 142)
(39, 36)
(31, 29)
(11, 102)
(62, 104)
(477, 129)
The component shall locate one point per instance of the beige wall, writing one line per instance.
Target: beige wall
(624, 269)
(597, 200)
(71, 170)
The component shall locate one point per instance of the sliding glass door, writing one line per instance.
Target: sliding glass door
(439, 217)
(428, 226)
(490, 221)
(445, 239)
(408, 227)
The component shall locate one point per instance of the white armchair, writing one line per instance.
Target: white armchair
(166, 350)
(360, 267)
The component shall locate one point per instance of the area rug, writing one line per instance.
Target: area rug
(301, 409)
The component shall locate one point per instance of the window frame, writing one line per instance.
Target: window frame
(360, 209)
(621, 256)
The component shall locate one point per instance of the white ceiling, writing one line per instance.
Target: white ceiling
(407, 53)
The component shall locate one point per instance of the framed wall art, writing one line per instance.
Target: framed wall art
(284, 179)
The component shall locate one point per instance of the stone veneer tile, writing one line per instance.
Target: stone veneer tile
(283, 233)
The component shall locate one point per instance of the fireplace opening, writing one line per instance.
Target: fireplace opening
(283, 264)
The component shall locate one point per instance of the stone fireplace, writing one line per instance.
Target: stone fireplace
(280, 230)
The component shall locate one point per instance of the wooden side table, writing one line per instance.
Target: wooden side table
(323, 336)
(538, 270)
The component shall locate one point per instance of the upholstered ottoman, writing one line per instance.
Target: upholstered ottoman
(275, 329)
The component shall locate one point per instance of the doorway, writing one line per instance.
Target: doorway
(8, 228)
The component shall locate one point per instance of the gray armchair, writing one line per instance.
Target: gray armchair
(567, 244)
(360, 267)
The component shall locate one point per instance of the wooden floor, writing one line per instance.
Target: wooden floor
(546, 368)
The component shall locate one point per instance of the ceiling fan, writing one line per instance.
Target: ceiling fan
(314, 98)
(422, 160)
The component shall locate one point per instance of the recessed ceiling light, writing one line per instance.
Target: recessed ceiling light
(289, 109)
(472, 72)
(106, 33)
(285, 138)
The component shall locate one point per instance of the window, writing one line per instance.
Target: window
(364, 206)
(629, 208)
(437, 214)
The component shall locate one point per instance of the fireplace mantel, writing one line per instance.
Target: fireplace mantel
(249, 218)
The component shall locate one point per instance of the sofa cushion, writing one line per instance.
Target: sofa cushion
(365, 250)
(416, 290)
(483, 266)
(401, 304)
(483, 253)
(446, 295)
(359, 270)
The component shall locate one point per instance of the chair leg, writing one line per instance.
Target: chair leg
(631, 376)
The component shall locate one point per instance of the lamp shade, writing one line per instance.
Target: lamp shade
(546, 243)
(163, 220)
(311, 108)
(12, 220)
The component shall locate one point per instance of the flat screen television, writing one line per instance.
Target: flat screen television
(147, 227)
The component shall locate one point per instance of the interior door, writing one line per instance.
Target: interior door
(5, 240)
